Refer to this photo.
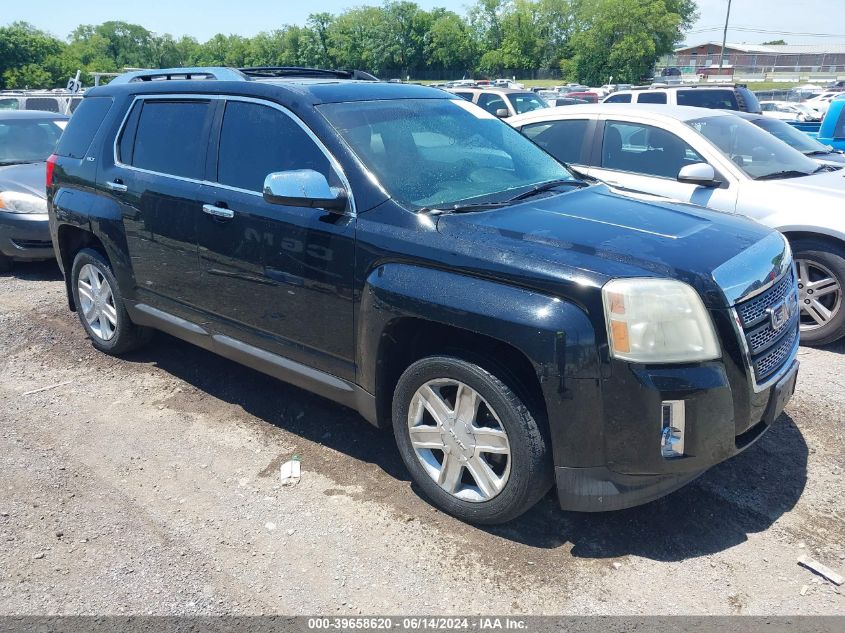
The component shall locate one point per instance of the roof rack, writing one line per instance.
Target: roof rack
(273, 72)
(181, 74)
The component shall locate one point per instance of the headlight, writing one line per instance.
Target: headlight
(16, 202)
(657, 321)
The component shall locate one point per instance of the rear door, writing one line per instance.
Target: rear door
(275, 276)
(159, 164)
(569, 140)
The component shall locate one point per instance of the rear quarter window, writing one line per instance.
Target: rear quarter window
(713, 99)
(618, 99)
(652, 97)
(83, 127)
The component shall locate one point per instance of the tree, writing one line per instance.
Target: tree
(624, 38)
(23, 52)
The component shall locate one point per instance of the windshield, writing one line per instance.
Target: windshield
(28, 140)
(755, 152)
(440, 152)
(526, 102)
(790, 135)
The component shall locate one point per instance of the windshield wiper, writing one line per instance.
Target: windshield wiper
(548, 186)
(458, 208)
(787, 173)
(817, 152)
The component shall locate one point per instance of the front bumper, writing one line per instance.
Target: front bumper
(25, 236)
(636, 472)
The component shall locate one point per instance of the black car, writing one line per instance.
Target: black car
(401, 251)
(26, 140)
(794, 137)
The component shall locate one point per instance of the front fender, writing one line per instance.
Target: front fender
(556, 336)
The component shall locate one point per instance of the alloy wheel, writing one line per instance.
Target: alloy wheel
(96, 300)
(459, 440)
(819, 294)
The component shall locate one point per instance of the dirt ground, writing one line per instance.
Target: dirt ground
(149, 485)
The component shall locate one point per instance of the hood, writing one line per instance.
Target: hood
(27, 178)
(831, 183)
(602, 234)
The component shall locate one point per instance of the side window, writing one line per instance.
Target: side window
(644, 149)
(562, 139)
(767, 107)
(652, 97)
(8, 104)
(172, 137)
(839, 131)
(464, 95)
(704, 98)
(491, 103)
(42, 103)
(78, 135)
(626, 98)
(272, 141)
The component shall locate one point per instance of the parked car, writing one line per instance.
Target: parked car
(831, 130)
(566, 101)
(589, 96)
(502, 102)
(58, 101)
(27, 138)
(716, 96)
(821, 102)
(401, 251)
(786, 111)
(715, 159)
(796, 139)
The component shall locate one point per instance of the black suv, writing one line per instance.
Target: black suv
(399, 250)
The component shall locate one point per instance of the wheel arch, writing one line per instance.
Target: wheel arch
(545, 346)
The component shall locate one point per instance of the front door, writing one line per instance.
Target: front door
(648, 159)
(275, 276)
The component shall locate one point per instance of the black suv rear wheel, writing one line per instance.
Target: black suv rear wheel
(100, 306)
(470, 443)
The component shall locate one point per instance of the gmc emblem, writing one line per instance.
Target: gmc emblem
(779, 314)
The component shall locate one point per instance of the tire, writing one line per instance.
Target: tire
(822, 315)
(102, 311)
(5, 263)
(518, 466)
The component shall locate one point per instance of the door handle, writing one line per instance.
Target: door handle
(218, 212)
(116, 185)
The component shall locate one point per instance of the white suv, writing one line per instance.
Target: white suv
(717, 97)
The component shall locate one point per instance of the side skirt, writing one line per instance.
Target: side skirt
(285, 369)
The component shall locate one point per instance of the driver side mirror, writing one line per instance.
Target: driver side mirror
(700, 174)
(502, 113)
(304, 188)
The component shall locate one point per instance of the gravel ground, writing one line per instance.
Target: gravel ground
(149, 485)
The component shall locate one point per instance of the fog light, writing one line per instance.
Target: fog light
(672, 430)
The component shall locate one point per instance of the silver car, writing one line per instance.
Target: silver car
(717, 160)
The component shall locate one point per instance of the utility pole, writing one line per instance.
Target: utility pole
(724, 38)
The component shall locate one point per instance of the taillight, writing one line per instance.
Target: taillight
(51, 165)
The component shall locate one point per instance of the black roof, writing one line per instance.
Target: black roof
(313, 86)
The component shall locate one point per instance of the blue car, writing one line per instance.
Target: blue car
(27, 139)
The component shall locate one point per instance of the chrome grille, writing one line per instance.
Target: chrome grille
(770, 362)
(755, 309)
(769, 348)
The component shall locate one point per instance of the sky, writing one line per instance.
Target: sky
(204, 18)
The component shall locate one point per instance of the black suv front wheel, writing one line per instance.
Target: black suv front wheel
(470, 443)
(100, 306)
